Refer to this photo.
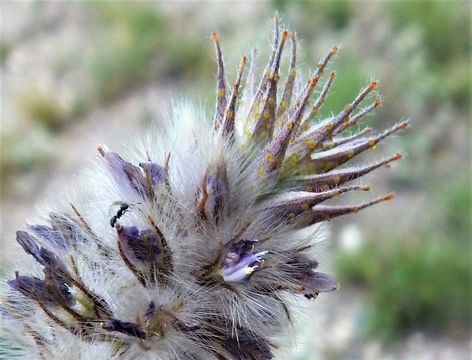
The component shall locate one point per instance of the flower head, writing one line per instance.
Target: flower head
(205, 256)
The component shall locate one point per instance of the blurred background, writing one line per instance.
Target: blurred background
(74, 75)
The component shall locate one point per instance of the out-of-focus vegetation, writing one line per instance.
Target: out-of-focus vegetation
(127, 46)
(135, 45)
(421, 280)
(418, 279)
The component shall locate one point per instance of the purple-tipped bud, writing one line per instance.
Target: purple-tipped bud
(126, 328)
(128, 178)
(33, 288)
(29, 245)
(69, 229)
(49, 235)
(51, 262)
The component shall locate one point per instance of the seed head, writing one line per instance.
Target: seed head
(192, 248)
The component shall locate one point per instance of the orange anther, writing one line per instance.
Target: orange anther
(284, 35)
(101, 150)
(388, 197)
(334, 50)
(373, 85)
(215, 37)
(377, 102)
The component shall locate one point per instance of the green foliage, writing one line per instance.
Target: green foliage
(5, 50)
(422, 281)
(333, 13)
(129, 40)
(44, 109)
(445, 26)
(22, 153)
(446, 37)
(134, 47)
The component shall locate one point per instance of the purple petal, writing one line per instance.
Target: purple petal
(139, 246)
(51, 236)
(128, 177)
(320, 282)
(32, 288)
(154, 172)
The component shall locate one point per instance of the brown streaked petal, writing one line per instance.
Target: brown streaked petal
(333, 178)
(257, 104)
(264, 128)
(271, 159)
(290, 81)
(355, 118)
(327, 212)
(305, 126)
(228, 122)
(326, 160)
(213, 194)
(344, 140)
(298, 202)
(221, 100)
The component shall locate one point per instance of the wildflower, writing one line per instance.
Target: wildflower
(204, 257)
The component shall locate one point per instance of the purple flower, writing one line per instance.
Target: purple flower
(241, 261)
